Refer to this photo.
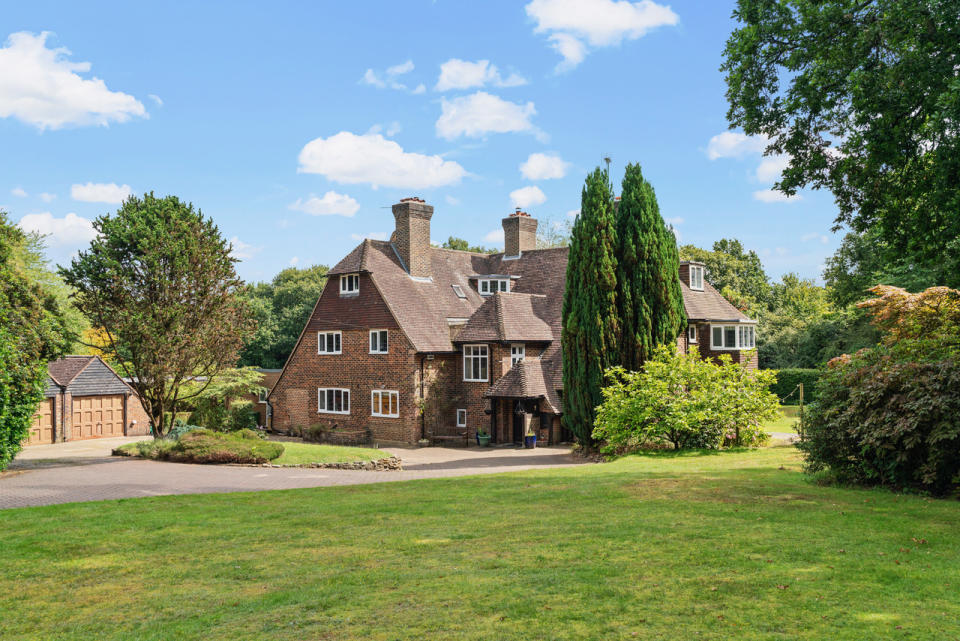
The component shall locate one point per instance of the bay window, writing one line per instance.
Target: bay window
(732, 336)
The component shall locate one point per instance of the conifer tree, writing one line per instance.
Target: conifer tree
(649, 300)
(590, 326)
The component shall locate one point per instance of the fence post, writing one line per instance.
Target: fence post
(801, 409)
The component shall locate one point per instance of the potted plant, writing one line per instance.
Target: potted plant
(530, 439)
(483, 438)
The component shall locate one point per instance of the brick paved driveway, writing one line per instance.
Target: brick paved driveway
(86, 472)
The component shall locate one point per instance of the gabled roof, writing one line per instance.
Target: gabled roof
(65, 369)
(509, 317)
(526, 379)
(709, 305)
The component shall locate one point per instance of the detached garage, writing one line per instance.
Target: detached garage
(86, 399)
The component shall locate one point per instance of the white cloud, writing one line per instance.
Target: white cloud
(527, 196)
(100, 193)
(376, 235)
(348, 158)
(370, 78)
(676, 220)
(241, 250)
(543, 167)
(389, 78)
(450, 200)
(294, 260)
(771, 196)
(771, 167)
(419, 89)
(572, 24)
(732, 144)
(481, 113)
(331, 204)
(463, 74)
(71, 230)
(19, 192)
(402, 68)
(495, 236)
(821, 237)
(573, 213)
(155, 98)
(40, 87)
(393, 129)
(47, 197)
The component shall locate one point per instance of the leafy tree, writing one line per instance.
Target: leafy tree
(160, 282)
(458, 243)
(217, 404)
(649, 300)
(863, 98)
(32, 332)
(736, 273)
(591, 330)
(280, 309)
(554, 233)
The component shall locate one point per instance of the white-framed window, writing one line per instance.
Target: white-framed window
(490, 286)
(692, 334)
(350, 283)
(333, 400)
(517, 353)
(475, 362)
(329, 343)
(385, 402)
(461, 418)
(732, 337)
(378, 341)
(262, 396)
(696, 277)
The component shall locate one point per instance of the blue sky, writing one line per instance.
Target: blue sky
(296, 125)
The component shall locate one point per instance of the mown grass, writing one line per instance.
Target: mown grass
(733, 545)
(304, 453)
(788, 421)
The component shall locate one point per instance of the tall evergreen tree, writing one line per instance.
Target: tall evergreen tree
(591, 331)
(649, 301)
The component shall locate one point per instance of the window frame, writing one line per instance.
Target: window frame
(502, 285)
(692, 334)
(513, 354)
(698, 269)
(344, 393)
(262, 396)
(741, 332)
(483, 358)
(386, 340)
(338, 342)
(350, 279)
(461, 422)
(391, 394)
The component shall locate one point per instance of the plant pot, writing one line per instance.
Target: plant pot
(483, 440)
(530, 442)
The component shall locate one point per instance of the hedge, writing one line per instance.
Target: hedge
(787, 381)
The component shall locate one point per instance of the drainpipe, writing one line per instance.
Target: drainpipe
(423, 424)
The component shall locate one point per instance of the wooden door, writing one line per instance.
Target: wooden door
(41, 430)
(97, 416)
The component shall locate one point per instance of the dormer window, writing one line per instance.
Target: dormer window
(696, 277)
(350, 284)
(490, 286)
(458, 291)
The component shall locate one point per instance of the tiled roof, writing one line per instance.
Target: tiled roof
(511, 317)
(64, 370)
(709, 305)
(526, 379)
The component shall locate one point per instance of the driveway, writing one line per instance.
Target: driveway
(85, 471)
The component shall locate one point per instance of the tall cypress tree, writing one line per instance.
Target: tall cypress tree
(649, 300)
(591, 330)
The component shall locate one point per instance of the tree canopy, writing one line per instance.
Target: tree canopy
(737, 273)
(863, 98)
(159, 281)
(459, 243)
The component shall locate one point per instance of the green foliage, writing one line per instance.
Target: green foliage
(554, 233)
(217, 403)
(315, 432)
(785, 386)
(687, 401)
(205, 446)
(280, 310)
(460, 244)
(649, 300)
(159, 279)
(591, 331)
(863, 99)
(242, 417)
(32, 332)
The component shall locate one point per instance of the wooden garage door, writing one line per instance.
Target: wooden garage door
(41, 431)
(97, 416)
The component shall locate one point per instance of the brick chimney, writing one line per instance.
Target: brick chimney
(411, 238)
(519, 233)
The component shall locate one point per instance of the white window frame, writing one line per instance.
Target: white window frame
(518, 352)
(322, 394)
(696, 277)
(338, 342)
(349, 283)
(381, 349)
(390, 394)
(490, 286)
(745, 336)
(461, 417)
(458, 291)
(692, 334)
(481, 354)
(262, 396)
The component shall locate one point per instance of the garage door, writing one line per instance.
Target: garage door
(41, 431)
(97, 416)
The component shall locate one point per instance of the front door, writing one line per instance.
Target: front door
(517, 423)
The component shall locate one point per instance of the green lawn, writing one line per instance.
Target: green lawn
(736, 545)
(787, 422)
(301, 453)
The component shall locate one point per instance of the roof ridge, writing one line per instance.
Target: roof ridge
(498, 307)
(462, 251)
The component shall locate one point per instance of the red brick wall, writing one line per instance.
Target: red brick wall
(703, 344)
(135, 412)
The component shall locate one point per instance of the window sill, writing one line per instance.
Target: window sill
(349, 294)
(338, 413)
(385, 416)
(474, 380)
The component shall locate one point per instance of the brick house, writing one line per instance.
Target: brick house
(409, 341)
(85, 398)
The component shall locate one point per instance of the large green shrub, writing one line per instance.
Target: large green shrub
(686, 401)
(205, 446)
(785, 386)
